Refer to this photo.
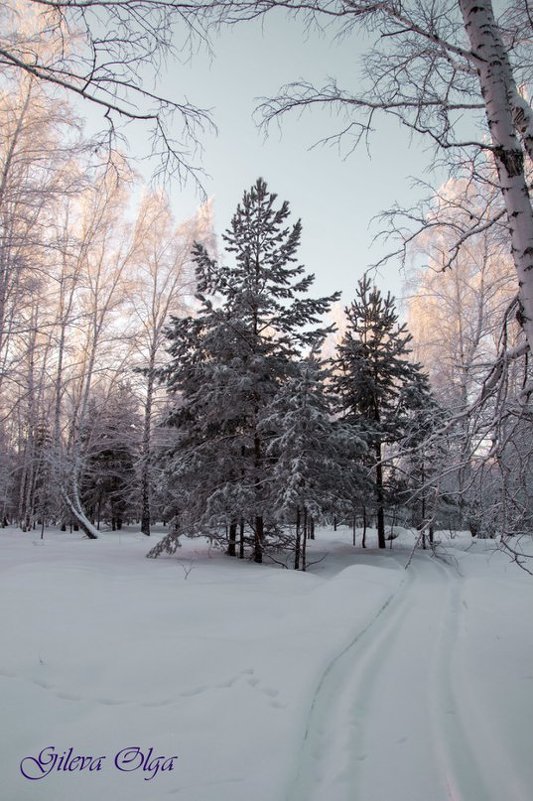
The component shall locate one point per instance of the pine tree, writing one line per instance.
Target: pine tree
(227, 365)
(372, 369)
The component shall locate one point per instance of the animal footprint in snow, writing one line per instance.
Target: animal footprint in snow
(269, 691)
(44, 684)
(154, 704)
(68, 697)
(229, 683)
(195, 691)
(253, 681)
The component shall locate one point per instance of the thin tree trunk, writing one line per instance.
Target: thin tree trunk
(305, 531)
(304, 546)
(241, 538)
(259, 523)
(297, 541)
(379, 498)
(258, 539)
(146, 451)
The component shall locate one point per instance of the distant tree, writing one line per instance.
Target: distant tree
(111, 444)
(228, 364)
(423, 455)
(372, 371)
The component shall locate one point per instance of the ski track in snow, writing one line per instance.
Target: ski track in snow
(378, 690)
(454, 720)
(320, 746)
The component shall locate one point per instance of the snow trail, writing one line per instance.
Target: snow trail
(359, 681)
(475, 759)
(321, 751)
(457, 761)
(386, 721)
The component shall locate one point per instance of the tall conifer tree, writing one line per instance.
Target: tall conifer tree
(228, 363)
(372, 370)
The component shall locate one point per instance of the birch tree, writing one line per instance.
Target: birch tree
(163, 285)
(452, 72)
(101, 252)
(104, 52)
(463, 315)
(40, 142)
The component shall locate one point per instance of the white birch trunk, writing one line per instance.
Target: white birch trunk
(500, 95)
(74, 507)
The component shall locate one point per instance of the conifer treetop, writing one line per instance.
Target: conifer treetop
(265, 282)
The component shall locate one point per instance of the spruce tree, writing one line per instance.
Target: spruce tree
(253, 322)
(372, 370)
(315, 473)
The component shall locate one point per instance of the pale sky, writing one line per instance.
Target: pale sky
(335, 198)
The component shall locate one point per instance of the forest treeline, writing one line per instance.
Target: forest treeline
(145, 376)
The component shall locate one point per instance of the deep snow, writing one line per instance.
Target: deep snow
(357, 681)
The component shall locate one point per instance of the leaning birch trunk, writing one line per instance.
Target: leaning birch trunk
(499, 94)
(72, 502)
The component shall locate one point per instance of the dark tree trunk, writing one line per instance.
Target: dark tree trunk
(304, 542)
(232, 540)
(145, 459)
(258, 539)
(297, 544)
(241, 539)
(379, 498)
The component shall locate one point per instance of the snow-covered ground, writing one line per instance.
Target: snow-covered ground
(357, 681)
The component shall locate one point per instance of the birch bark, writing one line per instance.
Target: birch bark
(500, 94)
